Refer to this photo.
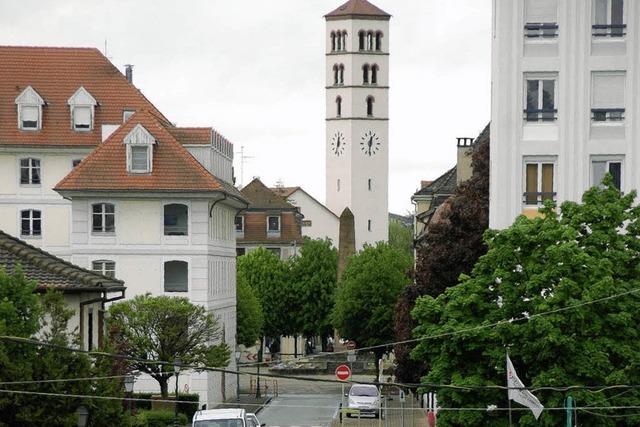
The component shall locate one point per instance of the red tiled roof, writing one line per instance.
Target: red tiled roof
(56, 73)
(358, 8)
(261, 197)
(174, 168)
(192, 135)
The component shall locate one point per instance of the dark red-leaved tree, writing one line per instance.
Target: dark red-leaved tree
(451, 247)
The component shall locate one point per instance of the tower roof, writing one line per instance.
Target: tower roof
(358, 9)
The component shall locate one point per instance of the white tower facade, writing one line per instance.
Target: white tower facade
(357, 117)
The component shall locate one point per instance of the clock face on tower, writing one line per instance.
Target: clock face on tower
(338, 143)
(370, 143)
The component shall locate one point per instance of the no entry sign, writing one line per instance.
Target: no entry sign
(343, 372)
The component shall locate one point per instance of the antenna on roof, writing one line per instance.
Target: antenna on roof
(280, 183)
(243, 160)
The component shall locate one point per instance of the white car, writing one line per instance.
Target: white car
(221, 418)
(366, 399)
(252, 421)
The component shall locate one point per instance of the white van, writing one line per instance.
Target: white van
(220, 418)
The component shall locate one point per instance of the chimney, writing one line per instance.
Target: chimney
(128, 72)
(464, 169)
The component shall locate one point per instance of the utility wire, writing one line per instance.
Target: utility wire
(62, 380)
(471, 329)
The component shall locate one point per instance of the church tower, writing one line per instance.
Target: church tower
(357, 118)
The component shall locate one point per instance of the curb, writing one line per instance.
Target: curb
(266, 402)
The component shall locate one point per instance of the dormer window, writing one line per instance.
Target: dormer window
(29, 105)
(139, 144)
(82, 106)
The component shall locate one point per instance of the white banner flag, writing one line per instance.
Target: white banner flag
(519, 394)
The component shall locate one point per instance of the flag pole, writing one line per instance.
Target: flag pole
(509, 397)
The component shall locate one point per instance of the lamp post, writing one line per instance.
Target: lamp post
(176, 369)
(83, 416)
(129, 380)
(238, 354)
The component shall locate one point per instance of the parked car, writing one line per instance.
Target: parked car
(221, 418)
(366, 399)
(252, 421)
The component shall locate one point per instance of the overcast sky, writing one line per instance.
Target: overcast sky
(254, 69)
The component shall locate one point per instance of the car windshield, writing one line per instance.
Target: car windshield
(363, 391)
(219, 423)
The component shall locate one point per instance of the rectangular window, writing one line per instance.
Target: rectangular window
(539, 185)
(608, 18)
(239, 224)
(369, 225)
(601, 167)
(82, 118)
(370, 184)
(608, 104)
(240, 251)
(273, 224)
(103, 218)
(106, 268)
(540, 100)
(306, 223)
(30, 223)
(29, 171)
(176, 276)
(276, 251)
(29, 117)
(90, 329)
(140, 159)
(541, 19)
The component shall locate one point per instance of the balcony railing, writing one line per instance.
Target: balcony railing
(609, 30)
(607, 114)
(540, 115)
(536, 30)
(537, 198)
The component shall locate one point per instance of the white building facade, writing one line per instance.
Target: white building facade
(357, 117)
(92, 172)
(563, 112)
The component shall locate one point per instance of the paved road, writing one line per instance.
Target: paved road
(300, 410)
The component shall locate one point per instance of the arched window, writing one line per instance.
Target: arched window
(379, 40)
(333, 41)
(370, 102)
(374, 74)
(365, 74)
(341, 76)
(344, 40)
(338, 41)
(338, 106)
(361, 38)
(176, 220)
(336, 74)
(176, 276)
(370, 40)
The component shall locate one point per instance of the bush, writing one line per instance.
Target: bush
(187, 409)
(158, 419)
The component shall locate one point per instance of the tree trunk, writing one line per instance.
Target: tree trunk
(258, 392)
(164, 386)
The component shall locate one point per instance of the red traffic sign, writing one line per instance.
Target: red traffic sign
(343, 372)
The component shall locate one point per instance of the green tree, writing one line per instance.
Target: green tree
(266, 274)
(401, 237)
(163, 328)
(23, 313)
(249, 315)
(367, 294)
(314, 274)
(589, 252)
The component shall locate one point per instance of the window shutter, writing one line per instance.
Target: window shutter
(82, 117)
(139, 158)
(547, 178)
(541, 11)
(599, 169)
(608, 91)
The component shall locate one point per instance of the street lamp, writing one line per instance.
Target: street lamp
(83, 416)
(129, 380)
(176, 368)
(238, 354)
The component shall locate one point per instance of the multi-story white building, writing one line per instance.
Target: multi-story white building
(357, 117)
(563, 111)
(91, 171)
